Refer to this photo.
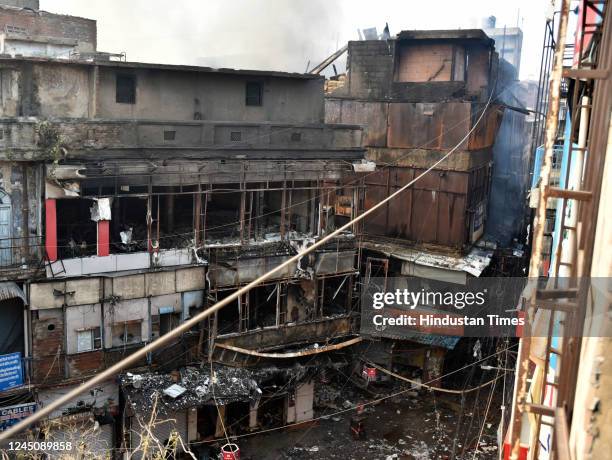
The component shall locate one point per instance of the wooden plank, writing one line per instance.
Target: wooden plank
(561, 436)
(540, 409)
(580, 195)
(586, 74)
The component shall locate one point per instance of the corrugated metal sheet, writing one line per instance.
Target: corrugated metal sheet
(473, 263)
(10, 290)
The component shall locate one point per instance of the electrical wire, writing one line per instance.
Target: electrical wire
(142, 352)
(329, 189)
(367, 403)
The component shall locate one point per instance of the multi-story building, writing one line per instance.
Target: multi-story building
(419, 95)
(133, 196)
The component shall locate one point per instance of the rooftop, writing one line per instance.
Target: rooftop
(447, 34)
(156, 66)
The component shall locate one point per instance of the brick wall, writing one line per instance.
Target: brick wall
(34, 4)
(50, 25)
(370, 68)
(425, 62)
(47, 345)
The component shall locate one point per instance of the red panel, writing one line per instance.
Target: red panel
(523, 451)
(103, 238)
(51, 229)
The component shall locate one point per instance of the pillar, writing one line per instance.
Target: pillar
(103, 238)
(51, 229)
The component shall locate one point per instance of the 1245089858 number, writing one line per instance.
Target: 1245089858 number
(40, 445)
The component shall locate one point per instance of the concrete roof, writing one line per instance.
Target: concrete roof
(447, 34)
(169, 67)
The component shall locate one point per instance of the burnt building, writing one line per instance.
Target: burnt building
(134, 196)
(422, 95)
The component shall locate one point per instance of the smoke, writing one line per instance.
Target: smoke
(255, 34)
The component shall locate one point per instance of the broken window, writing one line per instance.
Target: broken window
(263, 302)
(164, 322)
(127, 332)
(77, 234)
(335, 295)
(299, 208)
(172, 213)
(272, 209)
(300, 302)
(222, 213)
(254, 93)
(168, 321)
(128, 225)
(125, 89)
(228, 317)
(89, 339)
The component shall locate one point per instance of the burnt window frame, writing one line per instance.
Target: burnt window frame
(95, 336)
(252, 100)
(121, 98)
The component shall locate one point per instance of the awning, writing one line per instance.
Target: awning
(472, 263)
(10, 290)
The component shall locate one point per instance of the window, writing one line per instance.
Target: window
(127, 333)
(169, 135)
(296, 137)
(168, 321)
(235, 136)
(126, 89)
(164, 322)
(89, 339)
(254, 93)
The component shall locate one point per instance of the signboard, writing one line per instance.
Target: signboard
(11, 372)
(10, 415)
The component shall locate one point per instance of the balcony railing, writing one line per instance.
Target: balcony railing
(20, 254)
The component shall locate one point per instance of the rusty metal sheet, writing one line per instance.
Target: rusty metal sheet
(428, 125)
(432, 211)
(376, 223)
(424, 216)
(485, 133)
(454, 182)
(451, 219)
(478, 68)
(428, 181)
(372, 115)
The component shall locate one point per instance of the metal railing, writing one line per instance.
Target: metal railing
(21, 253)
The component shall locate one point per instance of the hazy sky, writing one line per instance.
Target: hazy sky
(284, 34)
